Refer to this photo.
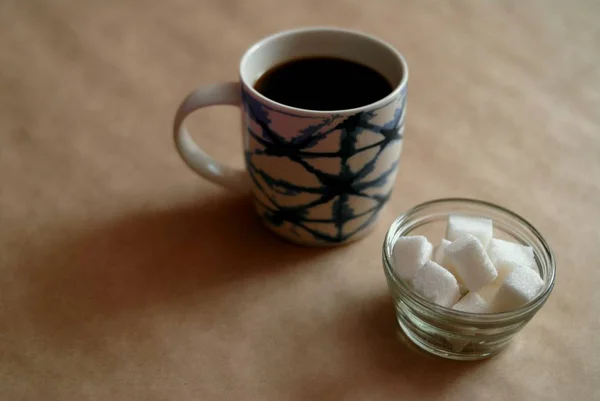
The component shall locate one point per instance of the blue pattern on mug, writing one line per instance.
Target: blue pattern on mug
(324, 178)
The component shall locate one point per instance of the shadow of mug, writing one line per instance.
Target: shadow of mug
(150, 258)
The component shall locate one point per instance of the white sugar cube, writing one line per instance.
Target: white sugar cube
(519, 287)
(500, 250)
(438, 252)
(436, 284)
(472, 262)
(504, 267)
(472, 302)
(479, 227)
(489, 291)
(439, 257)
(410, 254)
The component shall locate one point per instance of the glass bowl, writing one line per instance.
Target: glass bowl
(446, 332)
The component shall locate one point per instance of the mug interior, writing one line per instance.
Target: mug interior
(332, 42)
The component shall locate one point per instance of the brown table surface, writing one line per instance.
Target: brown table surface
(123, 276)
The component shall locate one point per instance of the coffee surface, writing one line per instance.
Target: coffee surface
(323, 83)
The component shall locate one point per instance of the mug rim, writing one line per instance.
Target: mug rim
(273, 104)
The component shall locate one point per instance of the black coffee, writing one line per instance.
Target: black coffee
(323, 83)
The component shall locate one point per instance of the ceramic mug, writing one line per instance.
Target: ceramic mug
(317, 177)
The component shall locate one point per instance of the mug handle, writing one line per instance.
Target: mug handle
(225, 93)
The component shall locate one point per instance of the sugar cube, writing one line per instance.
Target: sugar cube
(472, 262)
(472, 302)
(410, 254)
(520, 286)
(480, 227)
(489, 291)
(436, 284)
(439, 256)
(500, 250)
(438, 251)
(504, 267)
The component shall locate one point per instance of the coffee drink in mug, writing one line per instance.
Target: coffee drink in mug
(322, 125)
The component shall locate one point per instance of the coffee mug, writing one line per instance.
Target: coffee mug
(317, 177)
